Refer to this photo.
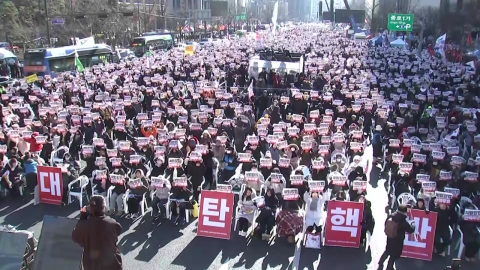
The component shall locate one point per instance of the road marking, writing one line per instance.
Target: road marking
(74, 214)
(298, 249)
(225, 265)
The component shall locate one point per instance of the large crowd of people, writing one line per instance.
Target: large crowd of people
(163, 128)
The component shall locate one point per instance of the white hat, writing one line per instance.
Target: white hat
(378, 128)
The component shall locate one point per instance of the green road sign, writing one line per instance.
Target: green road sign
(241, 17)
(400, 22)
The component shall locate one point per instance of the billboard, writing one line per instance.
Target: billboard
(326, 16)
(343, 16)
(219, 8)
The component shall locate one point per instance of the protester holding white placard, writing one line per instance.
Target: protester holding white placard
(276, 181)
(266, 218)
(197, 169)
(471, 235)
(290, 220)
(181, 197)
(162, 191)
(247, 211)
(314, 211)
(117, 180)
(138, 187)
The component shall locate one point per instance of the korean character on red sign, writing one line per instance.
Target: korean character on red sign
(215, 218)
(50, 184)
(343, 224)
(420, 244)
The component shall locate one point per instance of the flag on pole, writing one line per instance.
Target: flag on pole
(78, 63)
(440, 46)
(274, 18)
(250, 90)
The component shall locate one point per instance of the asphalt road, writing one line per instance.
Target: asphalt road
(147, 246)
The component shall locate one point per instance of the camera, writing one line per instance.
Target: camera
(456, 265)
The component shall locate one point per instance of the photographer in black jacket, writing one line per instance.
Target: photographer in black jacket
(98, 234)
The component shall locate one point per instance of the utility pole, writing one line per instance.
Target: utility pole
(332, 12)
(138, 18)
(156, 8)
(164, 6)
(47, 20)
(205, 20)
(74, 41)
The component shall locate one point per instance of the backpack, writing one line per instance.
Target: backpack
(391, 228)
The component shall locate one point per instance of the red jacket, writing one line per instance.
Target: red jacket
(34, 146)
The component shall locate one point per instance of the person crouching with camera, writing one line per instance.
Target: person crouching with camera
(98, 235)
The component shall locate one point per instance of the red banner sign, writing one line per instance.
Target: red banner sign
(343, 224)
(420, 244)
(50, 184)
(215, 218)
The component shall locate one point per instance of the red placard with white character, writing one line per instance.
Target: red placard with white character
(420, 244)
(343, 225)
(49, 180)
(215, 218)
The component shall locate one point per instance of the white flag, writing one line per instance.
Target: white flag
(250, 90)
(274, 18)
(440, 45)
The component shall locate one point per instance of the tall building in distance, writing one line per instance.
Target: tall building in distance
(299, 10)
(314, 9)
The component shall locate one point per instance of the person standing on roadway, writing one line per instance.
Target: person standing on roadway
(98, 235)
(396, 226)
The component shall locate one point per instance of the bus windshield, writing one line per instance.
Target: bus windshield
(141, 45)
(34, 59)
(92, 60)
(158, 44)
(59, 65)
(138, 46)
(64, 64)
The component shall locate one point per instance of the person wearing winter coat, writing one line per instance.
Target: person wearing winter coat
(314, 211)
(266, 218)
(230, 164)
(34, 146)
(137, 189)
(160, 199)
(368, 222)
(276, 184)
(395, 245)
(471, 237)
(119, 189)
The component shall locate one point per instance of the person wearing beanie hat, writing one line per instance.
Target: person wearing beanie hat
(396, 226)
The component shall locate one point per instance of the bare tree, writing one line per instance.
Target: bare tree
(430, 17)
(371, 13)
(412, 5)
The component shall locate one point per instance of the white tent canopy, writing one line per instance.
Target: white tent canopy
(360, 36)
(6, 54)
(399, 43)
